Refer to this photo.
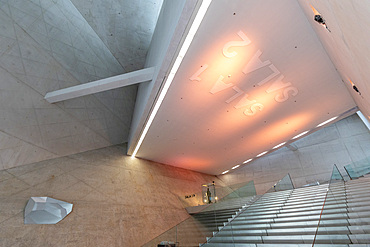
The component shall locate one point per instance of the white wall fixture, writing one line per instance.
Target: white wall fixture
(45, 210)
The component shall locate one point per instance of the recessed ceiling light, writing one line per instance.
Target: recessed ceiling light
(235, 167)
(261, 154)
(327, 121)
(184, 48)
(303, 133)
(245, 162)
(279, 145)
(225, 172)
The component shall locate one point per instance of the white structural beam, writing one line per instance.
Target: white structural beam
(364, 119)
(106, 84)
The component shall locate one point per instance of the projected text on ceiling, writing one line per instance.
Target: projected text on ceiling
(278, 88)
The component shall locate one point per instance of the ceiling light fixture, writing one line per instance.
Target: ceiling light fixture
(245, 162)
(235, 167)
(279, 145)
(225, 172)
(318, 18)
(184, 48)
(327, 121)
(303, 133)
(355, 88)
(261, 154)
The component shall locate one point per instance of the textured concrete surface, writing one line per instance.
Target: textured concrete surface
(126, 27)
(118, 201)
(348, 42)
(49, 45)
(341, 143)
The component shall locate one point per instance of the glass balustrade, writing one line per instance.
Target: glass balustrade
(333, 212)
(358, 169)
(248, 224)
(315, 217)
(209, 213)
(285, 183)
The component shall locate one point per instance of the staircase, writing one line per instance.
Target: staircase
(291, 218)
(199, 226)
(202, 225)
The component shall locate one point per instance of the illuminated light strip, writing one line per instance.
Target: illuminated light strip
(262, 154)
(235, 167)
(327, 121)
(184, 48)
(279, 145)
(303, 133)
(245, 162)
(225, 172)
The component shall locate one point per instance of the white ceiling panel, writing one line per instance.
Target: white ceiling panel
(254, 76)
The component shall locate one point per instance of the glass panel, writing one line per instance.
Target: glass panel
(208, 215)
(336, 176)
(330, 229)
(209, 193)
(251, 225)
(217, 193)
(358, 168)
(239, 190)
(284, 184)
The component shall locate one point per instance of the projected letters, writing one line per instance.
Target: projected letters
(281, 90)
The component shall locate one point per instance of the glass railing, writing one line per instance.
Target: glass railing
(237, 191)
(331, 209)
(219, 193)
(358, 169)
(209, 217)
(233, 231)
(285, 183)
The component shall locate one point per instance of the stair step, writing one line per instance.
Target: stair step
(290, 218)
(288, 231)
(292, 239)
(285, 245)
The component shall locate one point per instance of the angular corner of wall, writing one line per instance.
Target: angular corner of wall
(171, 26)
(364, 119)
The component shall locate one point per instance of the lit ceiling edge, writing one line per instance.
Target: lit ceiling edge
(339, 117)
(184, 48)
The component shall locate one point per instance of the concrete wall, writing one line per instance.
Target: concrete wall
(125, 27)
(341, 143)
(118, 201)
(45, 46)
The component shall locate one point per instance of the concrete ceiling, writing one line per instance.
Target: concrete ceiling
(254, 76)
(347, 44)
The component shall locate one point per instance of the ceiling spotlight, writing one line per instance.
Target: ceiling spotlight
(318, 18)
(279, 145)
(327, 121)
(321, 20)
(225, 172)
(261, 154)
(303, 133)
(245, 162)
(355, 88)
(235, 167)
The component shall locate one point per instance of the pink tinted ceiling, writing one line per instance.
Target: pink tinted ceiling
(255, 75)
